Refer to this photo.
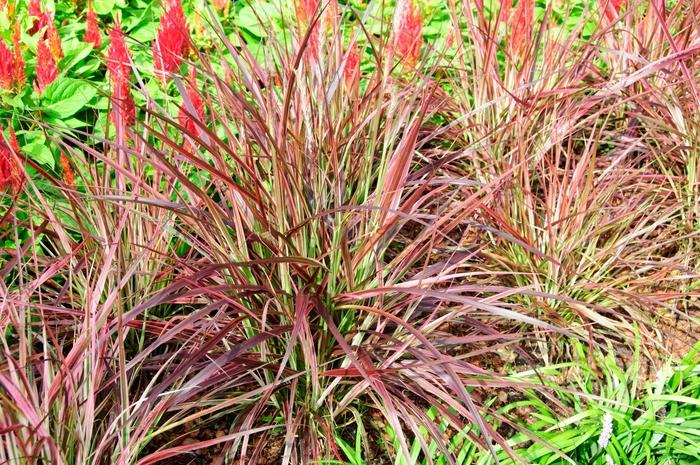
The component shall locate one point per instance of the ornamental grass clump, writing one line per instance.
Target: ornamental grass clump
(520, 28)
(286, 269)
(192, 108)
(580, 205)
(338, 232)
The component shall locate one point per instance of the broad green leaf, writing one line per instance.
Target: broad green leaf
(40, 153)
(4, 21)
(145, 33)
(65, 97)
(72, 123)
(258, 20)
(75, 51)
(12, 100)
(103, 7)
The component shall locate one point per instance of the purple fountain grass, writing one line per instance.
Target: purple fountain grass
(334, 248)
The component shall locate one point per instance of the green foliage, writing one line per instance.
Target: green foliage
(655, 421)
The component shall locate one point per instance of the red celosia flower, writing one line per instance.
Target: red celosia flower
(118, 60)
(6, 162)
(18, 59)
(46, 71)
(43, 18)
(54, 42)
(520, 26)
(407, 36)
(10, 174)
(351, 73)
(504, 11)
(197, 103)
(172, 41)
(92, 30)
(612, 8)
(68, 175)
(306, 12)
(35, 8)
(7, 72)
(14, 145)
(119, 68)
(306, 9)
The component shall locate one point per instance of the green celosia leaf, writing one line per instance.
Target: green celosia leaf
(259, 20)
(65, 97)
(40, 153)
(103, 7)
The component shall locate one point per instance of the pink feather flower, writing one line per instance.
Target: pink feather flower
(10, 174)
(92, 30)
(7, 68)
(119, 68)
(46, 70)
(407, 34)
(172, 41)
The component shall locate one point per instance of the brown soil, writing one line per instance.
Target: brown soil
(271, 454)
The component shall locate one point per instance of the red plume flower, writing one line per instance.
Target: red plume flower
(407, 36)
(18, 59)
(306, 11)
(612, 8)
(42, 17)
(35, 8)
(10, 174)
(196, 100)
(119, 68)
(46, 71)
(92, 30)
(118, 60)
(68, 175)
(351, 73)
(172, 41)
(54, 42)
(7, 71)
(520, 26)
